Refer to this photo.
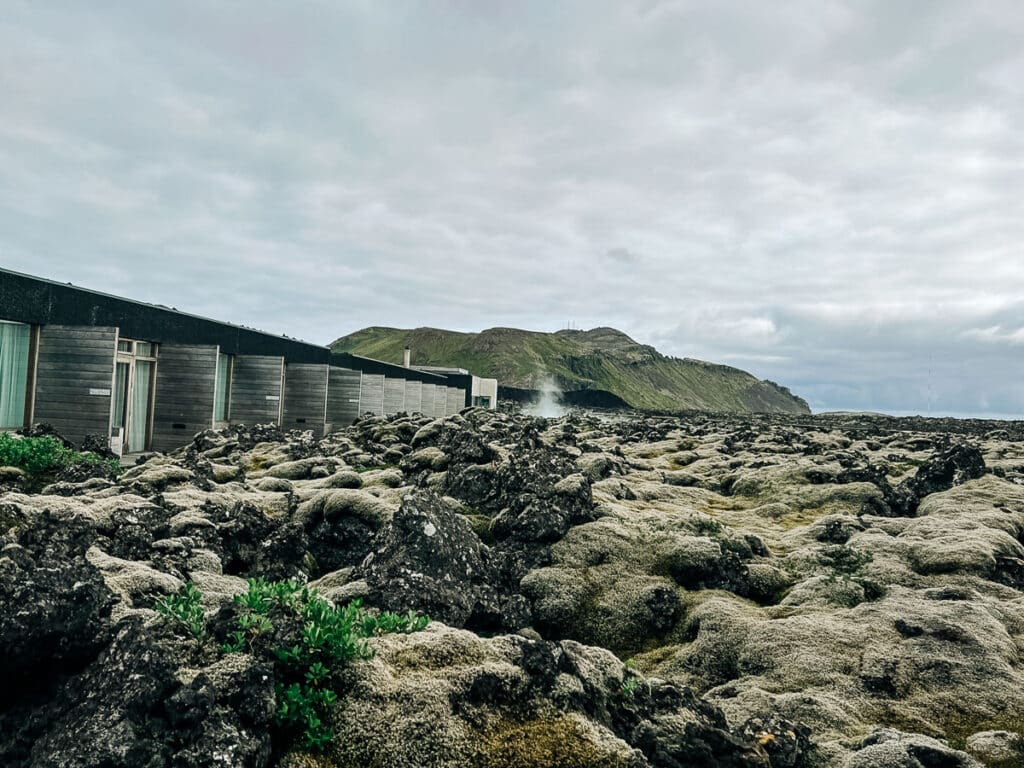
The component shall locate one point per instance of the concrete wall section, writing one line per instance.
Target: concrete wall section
(414, 396)
(305, 397)
(371, 394)
(256, 384)
(440, 401)
(342, 397)
(75, 378)
(394, 396)
(186, 380)
(427, 399)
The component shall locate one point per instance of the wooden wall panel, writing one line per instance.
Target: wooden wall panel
(343, 397)
(305, 397)
(256, 384)
(371, 394)
(186, 382)
(75, 379)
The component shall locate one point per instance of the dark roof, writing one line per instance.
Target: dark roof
(369, 365)
(36, 300)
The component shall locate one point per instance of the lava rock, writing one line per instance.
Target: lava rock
(54, 605)
(429, 559)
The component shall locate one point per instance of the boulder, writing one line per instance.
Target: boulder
(890, 748)
(429, 559)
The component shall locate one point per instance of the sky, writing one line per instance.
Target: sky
(827, 194)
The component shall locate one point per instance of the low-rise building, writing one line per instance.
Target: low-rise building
(147, 377)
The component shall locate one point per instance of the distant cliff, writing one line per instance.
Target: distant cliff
(601, 359)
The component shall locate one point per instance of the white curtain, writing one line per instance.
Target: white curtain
(139, 413)
(14, 343)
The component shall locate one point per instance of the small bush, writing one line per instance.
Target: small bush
(186, 609)
(630, 682)
(42, 456)
(305, 637)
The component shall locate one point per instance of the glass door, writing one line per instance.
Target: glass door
(133, 393)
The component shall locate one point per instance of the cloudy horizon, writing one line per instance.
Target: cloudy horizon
(826, 194)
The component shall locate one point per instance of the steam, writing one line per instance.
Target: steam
(548, 407)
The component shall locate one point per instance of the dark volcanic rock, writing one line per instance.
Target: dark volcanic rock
(788, 744)
(54, 607)
(648, 720)
(429, 559)
(132, 707)
(257, 544)
(954, 464)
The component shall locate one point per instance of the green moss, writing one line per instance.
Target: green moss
(256, 464)
(801, 517)
(958, 730)
(559, 741)
(481, 525)
(651, 453)
(956, 727)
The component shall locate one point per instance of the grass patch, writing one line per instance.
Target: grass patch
(43, 458)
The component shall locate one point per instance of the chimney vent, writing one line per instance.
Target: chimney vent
(406, 357)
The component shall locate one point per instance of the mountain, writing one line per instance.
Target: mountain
(602, 359)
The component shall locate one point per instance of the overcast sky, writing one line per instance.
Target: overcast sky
(827, 194)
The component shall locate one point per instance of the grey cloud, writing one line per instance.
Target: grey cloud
(623, 256)
(826, 193)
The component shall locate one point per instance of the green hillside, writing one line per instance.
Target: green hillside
(601, 359)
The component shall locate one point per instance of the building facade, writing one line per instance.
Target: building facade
(146, 377)
(479, 392)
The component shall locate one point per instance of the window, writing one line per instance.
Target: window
(14, 352)
(221, 408)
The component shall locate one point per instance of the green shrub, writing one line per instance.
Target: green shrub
(186, 609)
(322, 638)
(42, 456)
(630, 682)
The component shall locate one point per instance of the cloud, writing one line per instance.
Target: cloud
(824, 192)
(996, 335)
(623, 256)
